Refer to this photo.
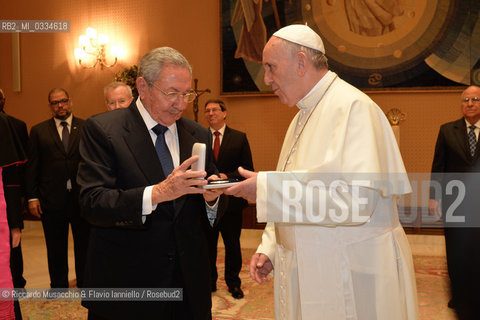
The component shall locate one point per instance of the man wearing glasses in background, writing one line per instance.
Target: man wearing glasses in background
(456, 160)
(51, 187)
(145, 205)
(231, 150)
(117, 95)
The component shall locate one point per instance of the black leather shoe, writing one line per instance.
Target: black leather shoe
(236, 292)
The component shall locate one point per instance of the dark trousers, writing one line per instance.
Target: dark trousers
(173, 311)
(168, 310)
(55, 228)
(463, 260)
(16, 266)
(230, 226)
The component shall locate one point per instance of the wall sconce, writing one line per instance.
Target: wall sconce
(93, 47)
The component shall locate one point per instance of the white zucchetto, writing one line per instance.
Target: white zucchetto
(302, 35)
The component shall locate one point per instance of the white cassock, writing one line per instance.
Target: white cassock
(343, 254)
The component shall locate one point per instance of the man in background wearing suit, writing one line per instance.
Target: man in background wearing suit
(14, 183)
(456, 160)
(231, 150)
(145, 204)
(52, 188)
(117, 95)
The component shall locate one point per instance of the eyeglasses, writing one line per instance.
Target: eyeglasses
(474, 100)
(188, 96)
(57, 102)
(213, 110)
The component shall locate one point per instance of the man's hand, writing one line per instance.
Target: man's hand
(180, 182)
(16, 236)
(372, 17)
(434, 209)
(260, 267)
(35, 208)
(211, 195)
(246, 189)
(222, 176)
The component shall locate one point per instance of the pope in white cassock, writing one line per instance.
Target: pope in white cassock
(333, 236)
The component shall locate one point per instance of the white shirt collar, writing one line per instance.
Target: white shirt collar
(149, 122)
(68, 120)
(477, 124)
(221, 130)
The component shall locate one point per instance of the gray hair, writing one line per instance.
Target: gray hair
(115, 85)
(318, 58)
(153, 62)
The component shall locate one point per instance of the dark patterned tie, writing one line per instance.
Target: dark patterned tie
(65, 134)
(472, 140)
(162, 150)
(216, 144)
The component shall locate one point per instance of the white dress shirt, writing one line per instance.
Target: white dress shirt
(220, 136)
(477, 128)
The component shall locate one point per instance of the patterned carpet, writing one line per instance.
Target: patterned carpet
(258, 301)
(432, 285)
(433, 288)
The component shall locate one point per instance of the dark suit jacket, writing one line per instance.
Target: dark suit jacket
(457, 172)
(14, 179)
(21, 129)
(453, 162)
(119, 161)
(49, 167)
(234, 152)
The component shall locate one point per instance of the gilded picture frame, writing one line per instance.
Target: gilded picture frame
(404, 45)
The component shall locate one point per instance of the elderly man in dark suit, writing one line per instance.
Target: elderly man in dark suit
(52, 190)
(231, 150)
(145, 203)
(456, 163)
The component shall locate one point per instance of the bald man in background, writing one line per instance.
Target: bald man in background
(52, 189)
(457, 159)
(117, 95)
